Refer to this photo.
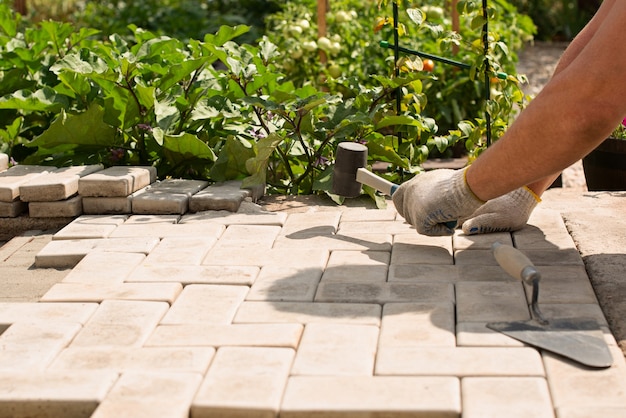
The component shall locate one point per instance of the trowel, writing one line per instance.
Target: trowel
(579, 339)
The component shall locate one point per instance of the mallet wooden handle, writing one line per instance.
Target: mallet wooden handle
(364, 176)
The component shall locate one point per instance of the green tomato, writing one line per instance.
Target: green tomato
(334, 70)
(309, 46)
(342, 17)
(304, 24)
(324, 43)
(296, 54)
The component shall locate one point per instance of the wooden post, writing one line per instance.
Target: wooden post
(20, 6)
(322, 8)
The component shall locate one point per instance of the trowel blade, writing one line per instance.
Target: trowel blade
(578, 339)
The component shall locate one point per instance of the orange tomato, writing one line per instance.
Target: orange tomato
(429, 65)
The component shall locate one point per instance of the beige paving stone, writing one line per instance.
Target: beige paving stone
(61, 209)
(189, 250)
(58, 184)
(331, 242)
(104, 267)
(420, 254)
(302, 258)
(285, 284)
(491, 301)
(417, 324)
(423, 273)
(206, 304)
(459, 361)
(229, 275)
(220, 196)
(149, 395)
(152, 219)
(573, 385)
(479, 241)
(27, 285)
(244, 381)
(336, 350)
(51, 394)
(128, 359)
(311, 223)
(33, 346)
(255, 335)
(476, 334)
(165, 230)
(515, 397)
(363, 397)
(14, 177)
(546, 219)
(85, 292)
(474, 258)
(564, 284)
(68, 253)
(117, 181)
(368, 215)
(387, 227)
(358, 258)
(356, 274)
(121, 323)
(12, 209)
(590, 412)
(122, 205)
(4, 162)
(90, 226)
(249, 235)
(303, 313)
(39, 312)
(413, 238)
(170, 196)
(229, 218)
(384, 292)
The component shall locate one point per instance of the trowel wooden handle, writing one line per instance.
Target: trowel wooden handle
(515, 263)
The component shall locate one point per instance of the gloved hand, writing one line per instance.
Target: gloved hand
(433, 199)
(506, 213)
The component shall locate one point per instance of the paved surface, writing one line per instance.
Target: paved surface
(302, 309)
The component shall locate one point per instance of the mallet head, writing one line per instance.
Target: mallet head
(350, 157)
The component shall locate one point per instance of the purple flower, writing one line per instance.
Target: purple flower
(624, 122)
(13, 162)
(145, 127)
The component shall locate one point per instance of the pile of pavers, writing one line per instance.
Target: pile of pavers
(50, 192)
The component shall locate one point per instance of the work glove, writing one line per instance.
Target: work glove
(506, 213)
(434, 201)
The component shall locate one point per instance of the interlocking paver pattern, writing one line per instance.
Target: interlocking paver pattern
(335, 311)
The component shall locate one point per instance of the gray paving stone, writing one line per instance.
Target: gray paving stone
(118, 181)
(285, 284)
(108, 205)
(578, 310)
(564, 284)
(133, 359)
(362, 397)
(470, 257)
(355, 292)
(121, 323)
(418, 249)
(221, 196)
(4, 162)
(253, 335)
(555, 257)
(331, 242)
(53, 393)
(303, 313)
(90, 226)
(417, 324)
(206, 304)
(491, 302)
(104, 267)
(459, 361)
(59, 184)
(423, 273)
(479, 241)
(14, 177)
(250, 379)
(532, 238)
(187, 250)
(149, 394)
(170, 196)
(164, 229)
(83, 292)
(500, 397)
(476, 334)
(39, 312)
(68, 208)
(12, 209)
(356, 273)
(184, 274)
(336, 350)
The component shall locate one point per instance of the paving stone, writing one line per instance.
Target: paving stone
(4, 162)
(358, 258)
(417, 324)
(128, 359)
(104, 267)
(565, 257)
(229, 218)
(68, 208)
(170, 196)
(336, 350)
(90, 226)
(478, 273)
(148, 395)
(311, 224)
(285, 284)
(33, 346)
(256, 335)
(249, 235)
(189, 250)
(27, 285)
(59, 184)
(68, 253)
(121, 323)
(502, 397)
(472, 257)
(244, 381)
(360, 214)
(303, 313)
(208, 304)
(14, 177)
(387, 227)
(363, 397)
(476, 334)
(46, 312)
(334, 242)
(459, 361)
(423, 273)
(356, 273)
(573, 385)
(532, 238)
(12, 209)
(564, 284)
(225, 275)
(491, 302)
(50, 394)
(220, 196)
(302, 258)
(479, 241)
(108, 205)
(163, 230)
(152, 219)
(420, 254)
(546, 219)
(84, 292)
(384, 292)
(117, 181)
(590, 412)
(578, 310)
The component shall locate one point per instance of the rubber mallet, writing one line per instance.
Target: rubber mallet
(350, 173)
